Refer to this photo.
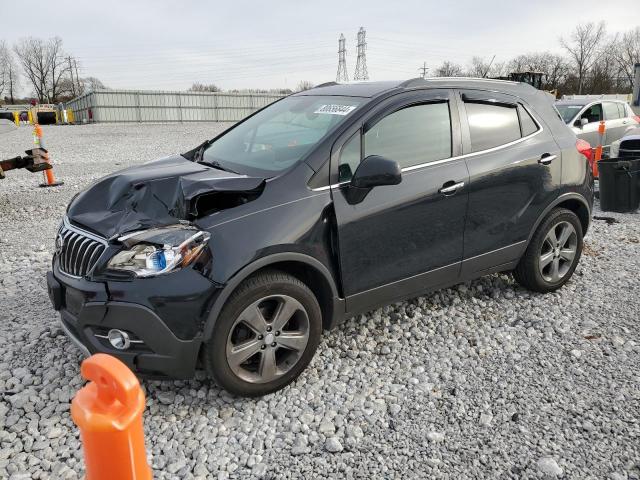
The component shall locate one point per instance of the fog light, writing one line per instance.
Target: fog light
(119, 339)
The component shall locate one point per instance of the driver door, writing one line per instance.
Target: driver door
(403, 239)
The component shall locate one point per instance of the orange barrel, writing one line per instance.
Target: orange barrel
(108, 412)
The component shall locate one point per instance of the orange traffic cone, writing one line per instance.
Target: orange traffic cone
(49, 177)
(108, 412)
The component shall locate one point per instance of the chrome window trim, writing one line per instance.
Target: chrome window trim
(458, 157)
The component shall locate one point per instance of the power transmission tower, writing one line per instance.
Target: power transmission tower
(73, 85)
(342, 75)
(424, 70)
(361, 72)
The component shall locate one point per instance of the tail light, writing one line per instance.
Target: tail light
(584, 148)
(636, 118)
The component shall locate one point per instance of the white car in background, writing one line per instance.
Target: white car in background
(628, 145)
(584, 115)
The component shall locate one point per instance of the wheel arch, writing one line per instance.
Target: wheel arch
(305, 268)
(571, 201)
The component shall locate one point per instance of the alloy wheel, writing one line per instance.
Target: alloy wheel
(558, 251)
(267, 339)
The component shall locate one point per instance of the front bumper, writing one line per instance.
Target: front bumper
(86, 311)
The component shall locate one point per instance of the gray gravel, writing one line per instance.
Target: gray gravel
(484, 380)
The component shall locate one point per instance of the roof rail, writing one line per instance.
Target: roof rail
(326, 84)
(413, 82)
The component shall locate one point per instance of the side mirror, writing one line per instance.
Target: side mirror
(581, 122)
(373, 171)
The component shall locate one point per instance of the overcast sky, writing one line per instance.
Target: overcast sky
(241, 44)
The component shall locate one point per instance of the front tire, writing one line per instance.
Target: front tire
(266, 335)
(553, 252)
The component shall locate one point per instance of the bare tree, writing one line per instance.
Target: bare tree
(479, 67)
(448, 69)
(44, 65)
(583, 46)
(304, 85)
(91, 84)
(59, 67)
(201, 87)
(625, 50)
(4, 66)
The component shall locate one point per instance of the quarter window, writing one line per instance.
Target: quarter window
(413, 135)
(527, 123)
(491, 125)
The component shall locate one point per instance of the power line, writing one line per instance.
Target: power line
(361, 72)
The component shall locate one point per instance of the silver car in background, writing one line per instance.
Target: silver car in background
(584, 116)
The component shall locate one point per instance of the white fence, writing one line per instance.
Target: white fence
(159, 106)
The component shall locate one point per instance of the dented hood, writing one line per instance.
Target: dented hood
(154, 194)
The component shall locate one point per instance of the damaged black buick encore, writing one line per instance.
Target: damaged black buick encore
(236, 255)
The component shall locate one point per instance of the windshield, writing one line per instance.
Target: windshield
(567, 112)
(280, 135)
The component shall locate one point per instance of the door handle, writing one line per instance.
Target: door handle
(450, 189)
(546, 159)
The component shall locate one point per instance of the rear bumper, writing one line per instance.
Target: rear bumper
(85, 312)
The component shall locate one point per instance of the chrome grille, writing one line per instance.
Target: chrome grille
(77, 251)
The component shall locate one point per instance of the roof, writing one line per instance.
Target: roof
(373, 89)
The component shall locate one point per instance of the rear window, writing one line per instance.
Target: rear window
(492, 125)
(622, 110)
(611, 111)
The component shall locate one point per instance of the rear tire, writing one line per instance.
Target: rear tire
(553, 252)
(265, 336)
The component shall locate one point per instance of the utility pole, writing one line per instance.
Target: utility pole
(75, 63)
(361, 72)
(342, 75)
(11, 75)
(73, 85)
(424, 70)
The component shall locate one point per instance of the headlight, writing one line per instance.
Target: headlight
(614, 151)
(159, 250)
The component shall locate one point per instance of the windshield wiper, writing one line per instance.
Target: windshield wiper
(219, 166)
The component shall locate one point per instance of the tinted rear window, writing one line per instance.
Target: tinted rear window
(492, 125)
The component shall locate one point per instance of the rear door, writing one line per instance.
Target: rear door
(402, 239)
(514, 172)
(615, 122)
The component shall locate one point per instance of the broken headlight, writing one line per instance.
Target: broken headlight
(159, 250)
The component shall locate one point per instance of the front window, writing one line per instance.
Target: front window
(568, 112)
(280, 135)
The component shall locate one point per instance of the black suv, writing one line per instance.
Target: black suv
(237, 254)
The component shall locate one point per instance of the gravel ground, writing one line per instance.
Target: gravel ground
(484, 380)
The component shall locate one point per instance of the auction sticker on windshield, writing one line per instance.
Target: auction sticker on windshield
(336, 109)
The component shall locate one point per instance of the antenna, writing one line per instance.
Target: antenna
(361, 72)
(342, 75)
